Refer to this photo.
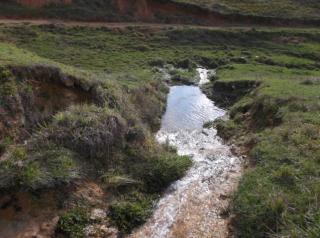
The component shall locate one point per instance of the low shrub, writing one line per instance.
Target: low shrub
(284, 175)
(73, 222)
(127, 215)
(89, 130)
(47, 167)
(226, 129)
(266, 112)
(161, 170)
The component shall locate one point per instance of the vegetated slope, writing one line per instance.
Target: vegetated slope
(280, 9)
(62, 127)
(269, 78)
(279, 13)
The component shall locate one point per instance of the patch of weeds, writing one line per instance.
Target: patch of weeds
(266, 112)
(62, 165)
(162, 170)
(31, 175)
(114, 179)
(311, 81)
(89, 130)
(158, 63)
(185, 64)
(43, 168)
(209, 124)
(4, 144)
(73, 222)
(19, 153)
(285, 175)
(226, 129)
(183, 76)
(127, 215)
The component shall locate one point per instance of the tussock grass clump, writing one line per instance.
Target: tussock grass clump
(89, 130)
(37, 169)
(132, 213)
(160, 171)
(73, 222)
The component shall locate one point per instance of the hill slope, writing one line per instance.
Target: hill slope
(272, 8)
(209, 12)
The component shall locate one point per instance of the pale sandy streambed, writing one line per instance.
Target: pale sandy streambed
(192, 206)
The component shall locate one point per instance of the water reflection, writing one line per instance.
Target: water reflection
(188, 109)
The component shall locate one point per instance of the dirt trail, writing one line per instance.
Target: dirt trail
(104, 24)
(38, 22)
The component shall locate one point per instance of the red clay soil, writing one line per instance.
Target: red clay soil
(149, 10)
(179, 13)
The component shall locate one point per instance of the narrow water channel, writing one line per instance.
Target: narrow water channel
(192, 207)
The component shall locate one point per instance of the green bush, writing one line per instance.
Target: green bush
(31, 175)
(226, 129)
(19, 153)
(266, 112)
(285, 175)
(44, 168)
(89, 130)
(162, 170)
(73, 222)
(130, 214)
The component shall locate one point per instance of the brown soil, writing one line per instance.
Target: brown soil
(23, 215)
(179, 13)
(43, 95)
(26, 215)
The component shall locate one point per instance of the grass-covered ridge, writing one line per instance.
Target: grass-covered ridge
(278, 122)
(170, 11)
(273, 8)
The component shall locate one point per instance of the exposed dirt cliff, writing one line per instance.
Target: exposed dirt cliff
(38, 92)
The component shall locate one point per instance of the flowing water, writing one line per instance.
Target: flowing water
(192, 207)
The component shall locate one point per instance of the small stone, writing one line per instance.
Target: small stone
(98, 214)
(100, 231)
(67, 81)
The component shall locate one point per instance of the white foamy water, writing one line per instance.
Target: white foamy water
(191, 207)
(203, 73)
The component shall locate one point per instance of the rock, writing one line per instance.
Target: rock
(100, 231)
(67, 81)
(98, 214)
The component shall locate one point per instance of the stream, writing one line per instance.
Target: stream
(193, 206)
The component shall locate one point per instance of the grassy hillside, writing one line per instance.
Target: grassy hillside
(277, 123)
(100, 10)
(272, 8)
(79, 10)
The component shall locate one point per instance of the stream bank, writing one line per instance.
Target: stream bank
(194, 206)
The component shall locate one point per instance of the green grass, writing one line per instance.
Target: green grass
(80, 10)
(106, 11)
(73, 222)
(279, 121)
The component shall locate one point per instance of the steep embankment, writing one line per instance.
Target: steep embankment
(165, 11)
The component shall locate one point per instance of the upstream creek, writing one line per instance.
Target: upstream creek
(194, 206)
